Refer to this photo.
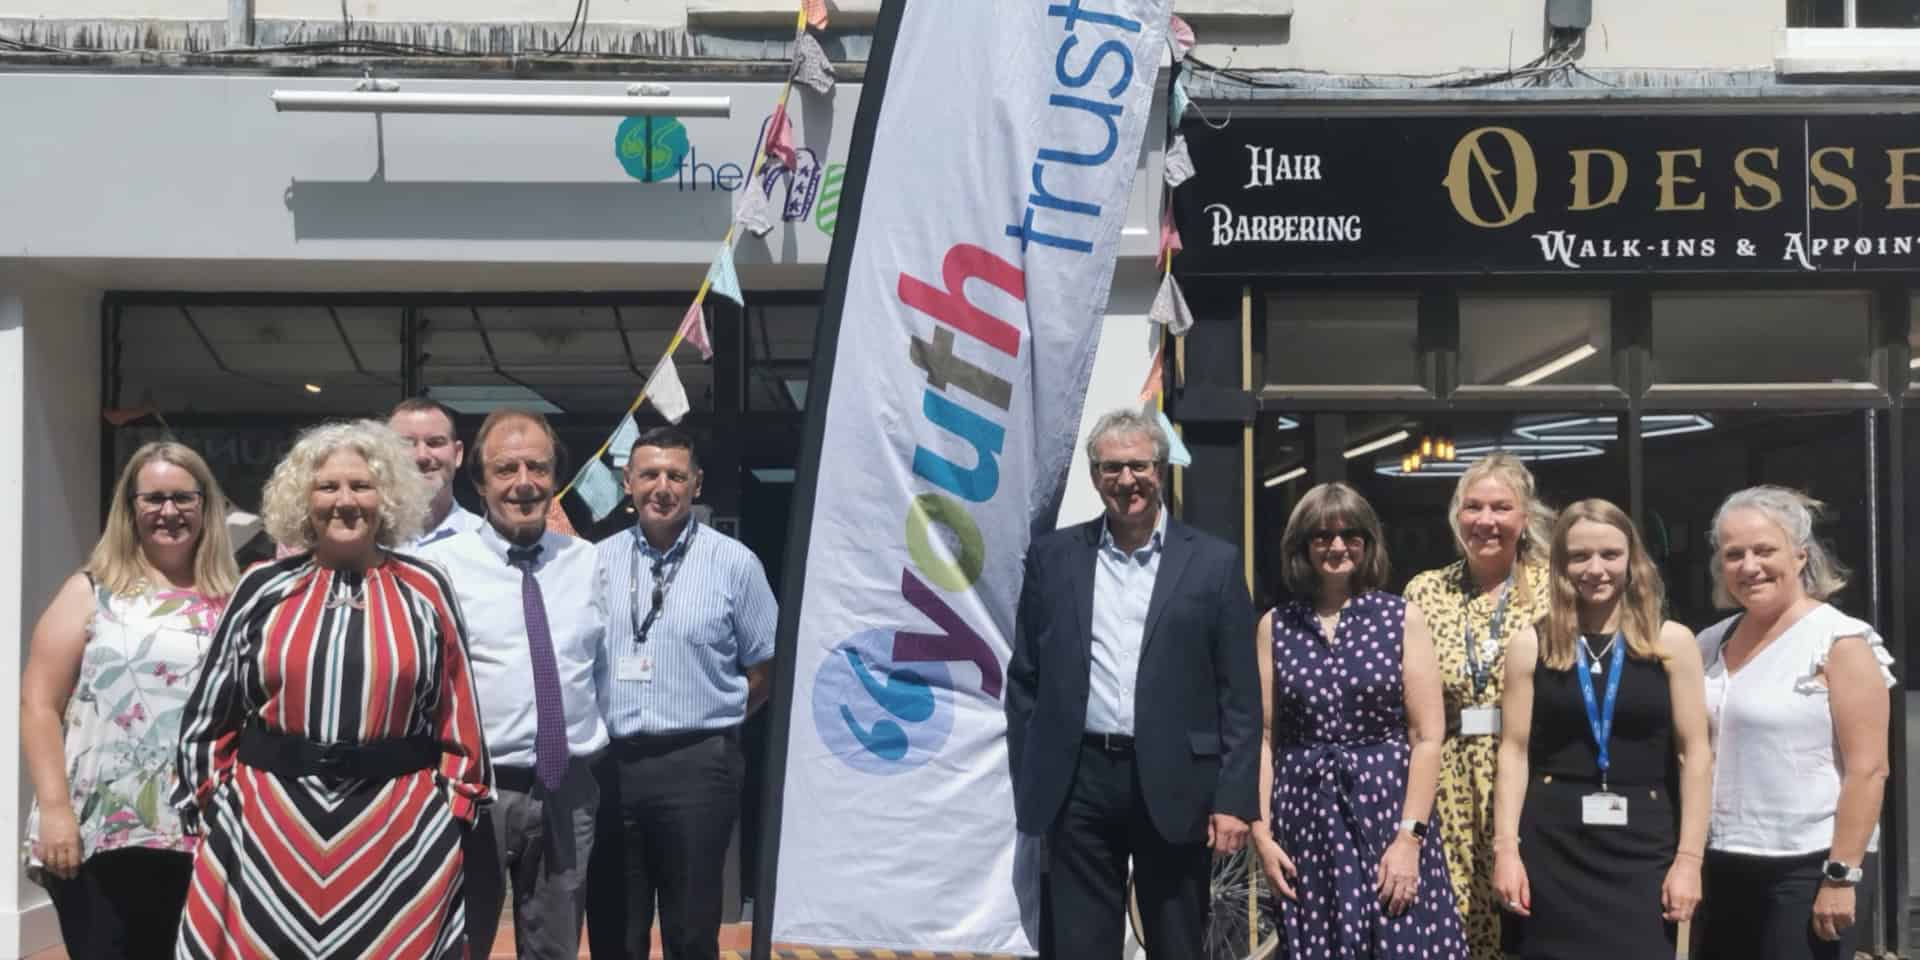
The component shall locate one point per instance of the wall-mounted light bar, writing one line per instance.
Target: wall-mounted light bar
(1278, 479)
(499, 104)
(1380, 444)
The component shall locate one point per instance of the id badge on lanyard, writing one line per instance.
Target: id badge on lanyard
(1603, 808)
(1483, 721)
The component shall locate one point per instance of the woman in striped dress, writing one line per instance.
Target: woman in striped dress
(331, 757)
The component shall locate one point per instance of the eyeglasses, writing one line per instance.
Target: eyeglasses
(1351, 536)
(185, 501)
(1113, 468)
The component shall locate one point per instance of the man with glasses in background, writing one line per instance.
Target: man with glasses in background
(1133, 708)
(689, 652)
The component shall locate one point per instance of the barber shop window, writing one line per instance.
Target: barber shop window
(1524, 341)
(1329, 341)
(1806, 338)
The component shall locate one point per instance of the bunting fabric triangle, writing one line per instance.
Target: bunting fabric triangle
(722, 279)
(811, 68)
(557, 519)
(1169, 233)
(1177, 453)
(1178, 104)
(780, 138)
(620, 445)
(693, 329)
(816, 13)
(755, 211)
(597, 486)
(1179, 162)
(1180, 36)
(665, 391)
(1152, 387)
(1170, 308)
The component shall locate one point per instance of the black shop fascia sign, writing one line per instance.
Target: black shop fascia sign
(1555, 194)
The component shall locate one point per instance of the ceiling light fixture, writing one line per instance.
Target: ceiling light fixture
(1529, 452)
(312, 387)
(1294, 474)
(1284, 422)
(1605, 428)
(1372, 445)
(1554, 366)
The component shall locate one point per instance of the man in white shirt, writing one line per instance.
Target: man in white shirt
(535, 627)
(428, 426)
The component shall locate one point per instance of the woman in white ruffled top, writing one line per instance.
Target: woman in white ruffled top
(1798, 704)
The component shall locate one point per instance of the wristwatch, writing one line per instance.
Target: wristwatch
(1837, 871)
(1419, 828)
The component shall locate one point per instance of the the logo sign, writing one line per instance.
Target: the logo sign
(651, 149)
(1552, 194)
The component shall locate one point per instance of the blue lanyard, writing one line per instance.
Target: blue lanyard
(1600, 719)
(1476, 668)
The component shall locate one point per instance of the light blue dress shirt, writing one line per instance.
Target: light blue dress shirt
(1122, 591)
(716, 622)
(489, 592)
(458, 520)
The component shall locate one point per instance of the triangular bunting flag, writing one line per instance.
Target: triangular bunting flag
(722, 279)
(780, 138)
(693, 329)
(811, 68)
(598, 488)
(557, 519)
(755, 211)
(1179, 162)
(1180, 37)
(816, 13)
(1151, 388)
(620, 445)
(1169, 233)
(121, 416)
(1170, 308)
(1178, 104)
(1176, 450)
(665, 391)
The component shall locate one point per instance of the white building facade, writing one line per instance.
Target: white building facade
(172, 246)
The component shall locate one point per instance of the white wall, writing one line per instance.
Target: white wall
(1433, 36)
(49, 515)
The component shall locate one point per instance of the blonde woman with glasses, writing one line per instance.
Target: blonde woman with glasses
(112, 662)
(1599, 832)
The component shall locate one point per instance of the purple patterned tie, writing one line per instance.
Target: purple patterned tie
(550, 736)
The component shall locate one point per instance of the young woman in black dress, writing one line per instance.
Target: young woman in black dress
(1600, 804)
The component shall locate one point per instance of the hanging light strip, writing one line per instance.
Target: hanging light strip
(500, 104)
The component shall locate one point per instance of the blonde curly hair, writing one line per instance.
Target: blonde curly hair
(405, 495)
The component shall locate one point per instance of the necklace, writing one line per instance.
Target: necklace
(1329, 624)
(355, 598)
(1593, 666)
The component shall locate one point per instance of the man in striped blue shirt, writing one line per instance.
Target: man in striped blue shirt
(689, 655)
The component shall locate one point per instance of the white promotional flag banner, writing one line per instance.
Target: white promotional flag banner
(998, 184)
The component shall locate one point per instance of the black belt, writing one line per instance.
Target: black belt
(1108, 742)
(651, 744)
(517, 779)
(295, 756)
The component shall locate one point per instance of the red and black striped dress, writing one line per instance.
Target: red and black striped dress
(322, 867)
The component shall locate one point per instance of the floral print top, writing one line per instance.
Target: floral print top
(122, 725)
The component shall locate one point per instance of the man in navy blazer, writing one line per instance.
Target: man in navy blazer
(1133, 707)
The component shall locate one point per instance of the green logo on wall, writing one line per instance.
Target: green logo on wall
(651, 148)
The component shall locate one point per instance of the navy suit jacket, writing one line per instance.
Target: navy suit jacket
(1197, 695)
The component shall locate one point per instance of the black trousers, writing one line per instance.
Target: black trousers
(667, 809)
(1083, 907)
(1761, 908)
(123, 904)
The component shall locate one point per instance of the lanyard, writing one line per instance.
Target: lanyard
(1600, 719)
(661, 582)
(1479, 670)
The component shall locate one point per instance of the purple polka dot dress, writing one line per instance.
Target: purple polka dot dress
(1339, 779)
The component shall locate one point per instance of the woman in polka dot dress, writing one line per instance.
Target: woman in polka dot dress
(1351, 693)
